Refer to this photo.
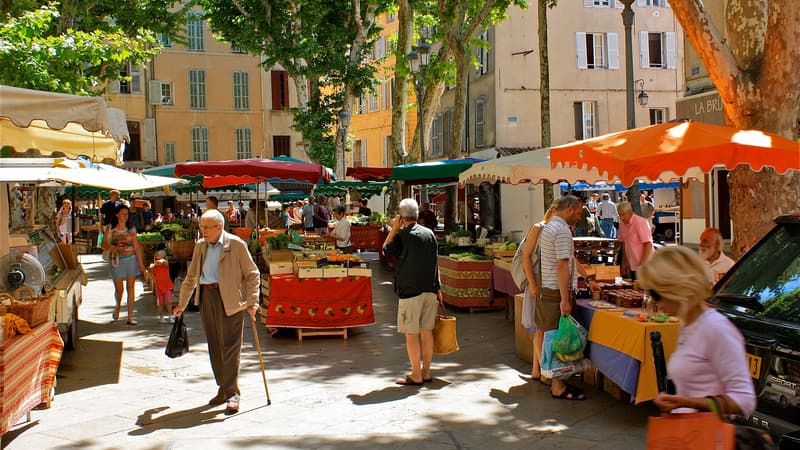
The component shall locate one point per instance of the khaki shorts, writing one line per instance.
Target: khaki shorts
(417, 313)
(548, 309)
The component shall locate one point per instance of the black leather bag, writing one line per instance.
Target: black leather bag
(178, 343)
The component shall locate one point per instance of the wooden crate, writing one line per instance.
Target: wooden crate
(523, 340)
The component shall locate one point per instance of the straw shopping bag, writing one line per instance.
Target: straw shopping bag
(444, 333)
(690, 431)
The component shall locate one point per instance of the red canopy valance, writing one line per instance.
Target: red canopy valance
(370, 173)
(246, 171)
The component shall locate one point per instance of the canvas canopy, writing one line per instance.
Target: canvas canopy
(433, 171)
(529, 167)
(64, 124)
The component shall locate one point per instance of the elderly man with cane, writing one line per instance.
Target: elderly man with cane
(227, 282)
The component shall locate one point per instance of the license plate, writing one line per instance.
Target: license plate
(755, 365)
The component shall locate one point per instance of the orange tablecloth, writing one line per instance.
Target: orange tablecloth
(28, 365)
(631, 337)
(319, 302)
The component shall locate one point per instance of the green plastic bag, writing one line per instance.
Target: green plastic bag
(569, 339)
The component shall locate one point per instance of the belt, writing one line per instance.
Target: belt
(210, 286)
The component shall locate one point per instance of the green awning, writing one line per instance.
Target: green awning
(433, 171)
(365, 188)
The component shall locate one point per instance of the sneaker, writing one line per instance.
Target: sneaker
(171, 319)
(163, 320)
(233, 404)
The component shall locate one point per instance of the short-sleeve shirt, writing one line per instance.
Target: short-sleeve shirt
(721, 266)
(109, 210)
(417, 268)
(555, 244)
(633, 234)
(342, 233)
(607, 210)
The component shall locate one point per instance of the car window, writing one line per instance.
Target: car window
(771, 274)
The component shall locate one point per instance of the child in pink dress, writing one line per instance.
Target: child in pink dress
(159, 271)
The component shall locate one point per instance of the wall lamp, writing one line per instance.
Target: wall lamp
(642, 97)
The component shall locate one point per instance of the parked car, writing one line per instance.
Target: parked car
(761, 296)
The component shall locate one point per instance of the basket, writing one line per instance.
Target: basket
(243, 233)
(181, 249)
(4, 308)
(35, 310)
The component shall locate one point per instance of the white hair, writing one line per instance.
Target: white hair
(408, 209)
(215, 215)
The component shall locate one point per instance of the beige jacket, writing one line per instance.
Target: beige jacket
(239, 277)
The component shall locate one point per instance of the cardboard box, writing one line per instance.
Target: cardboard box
(307, 272)
(359, 272)
(305, 264)
(614, 390)
(281, 267)
(334, 272)
(281, 255)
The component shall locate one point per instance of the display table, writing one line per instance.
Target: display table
(619, 347)
(502, 281)
(367, 237)
(28, 365)
(319, 303)
(468, 284)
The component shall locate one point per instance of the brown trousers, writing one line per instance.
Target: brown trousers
(224, 336)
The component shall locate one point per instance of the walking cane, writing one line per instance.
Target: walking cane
(260, 358)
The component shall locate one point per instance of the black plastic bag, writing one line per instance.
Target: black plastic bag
(178, 343)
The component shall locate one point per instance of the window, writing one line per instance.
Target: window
(363, 101)
(280, 146)
(237, 50)
(241, 90)
(169, 153)
(164, 39)
(656, 50)
(160, 93)
(280, 89)
(661, 3)
(483, 53)
(385, 100)
(596, 3)
(358, 157)
(390, 17)
(436, 136)
(194, 34)
(390, 93)
(447, 126)
(200, 143)
(373, 102)
(596, 50)
(658, 115)
(197, 89)
(244, 148)
(387, 151)
(585, 120)
(130, 81)
(480, 139)
(379, 48)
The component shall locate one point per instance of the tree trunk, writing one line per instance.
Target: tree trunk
(759, 90)
(457, 132)
(405, 32)
(544, 74)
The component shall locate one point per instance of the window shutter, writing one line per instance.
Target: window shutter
(155, 92)
(275, 82)
(363, 152)
(670, 40)
(644, 50)
(578, 118)
(136, 81)
(580, 49)
(113, 87)
(641, 2)
(588, 3)
(613, 51)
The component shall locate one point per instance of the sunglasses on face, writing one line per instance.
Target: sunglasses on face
(654, 295)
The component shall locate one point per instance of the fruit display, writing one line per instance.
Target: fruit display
(152, 236)
(467, 256)
(627, 298)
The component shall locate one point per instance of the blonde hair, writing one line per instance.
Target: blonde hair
(551, 211)
(160, 254)
(677, 274)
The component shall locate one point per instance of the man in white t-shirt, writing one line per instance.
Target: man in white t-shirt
(711, 252)
(341, 231)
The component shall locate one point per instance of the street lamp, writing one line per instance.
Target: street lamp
(344, 122)
(418, 59)
(642, 97)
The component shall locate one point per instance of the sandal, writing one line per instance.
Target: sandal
(427, 380)
(115, 314)
(569, 393)
(132, 322)
(408, 381)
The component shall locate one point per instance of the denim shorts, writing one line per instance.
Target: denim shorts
(128, 267)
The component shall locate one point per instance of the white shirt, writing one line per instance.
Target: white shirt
(555, 243)
(607, 210)
(342, 233)
(721, 266)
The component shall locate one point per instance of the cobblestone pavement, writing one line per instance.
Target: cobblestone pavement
(119, 390)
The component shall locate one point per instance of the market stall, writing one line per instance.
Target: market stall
(467, 282)
(619, 346)
(28, 366)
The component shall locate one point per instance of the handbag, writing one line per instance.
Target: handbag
(445, 340)
(552, 366)
(517, 269)
(690, 431)
(178, 343)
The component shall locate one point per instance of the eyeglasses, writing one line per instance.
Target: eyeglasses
(208, 227)
(655, 295)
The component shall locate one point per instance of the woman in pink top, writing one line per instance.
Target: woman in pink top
(709, 360)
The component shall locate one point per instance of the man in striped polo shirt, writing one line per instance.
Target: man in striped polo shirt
(558, 272)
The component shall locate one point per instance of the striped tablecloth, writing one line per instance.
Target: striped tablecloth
(28, 365)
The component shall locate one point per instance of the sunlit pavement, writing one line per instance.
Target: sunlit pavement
(119, 390)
